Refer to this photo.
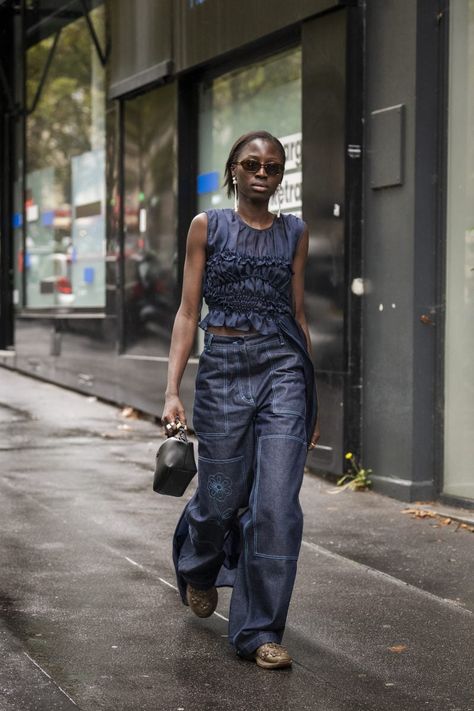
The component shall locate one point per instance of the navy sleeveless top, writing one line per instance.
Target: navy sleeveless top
(247, 283)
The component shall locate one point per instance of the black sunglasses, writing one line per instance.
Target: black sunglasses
(253, 166)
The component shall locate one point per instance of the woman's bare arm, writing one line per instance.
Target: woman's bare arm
(186, 320)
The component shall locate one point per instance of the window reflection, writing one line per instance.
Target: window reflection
(64, 258)
(150, 245)
(247, 100)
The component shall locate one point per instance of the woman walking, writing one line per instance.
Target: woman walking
(255, 408)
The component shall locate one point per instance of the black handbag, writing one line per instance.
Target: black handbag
(175, 465)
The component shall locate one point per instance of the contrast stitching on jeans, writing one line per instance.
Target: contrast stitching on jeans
(283, 436)
(276, 557)
(262, 344)
(277, 410)
(272, 378)
(232, 459)
(226, 426)
(238, 368)
(244, 567)
(221, 486)
(254, 512)
(257, 484)
(247, 376)
(241, 367)
(226, 422)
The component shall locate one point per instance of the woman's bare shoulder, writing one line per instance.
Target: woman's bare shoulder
(197, 235)
(200, 219)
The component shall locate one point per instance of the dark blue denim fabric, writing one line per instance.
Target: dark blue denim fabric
(243, 526)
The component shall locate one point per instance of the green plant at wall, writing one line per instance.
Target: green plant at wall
(357, 478)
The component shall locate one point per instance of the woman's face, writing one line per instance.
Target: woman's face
(258, 186)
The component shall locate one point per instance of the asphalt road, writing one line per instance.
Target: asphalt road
(381, 618)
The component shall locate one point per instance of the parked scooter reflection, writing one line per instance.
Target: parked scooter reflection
(150, 297)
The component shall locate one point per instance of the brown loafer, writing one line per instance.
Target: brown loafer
(272, 656)
(202, 602)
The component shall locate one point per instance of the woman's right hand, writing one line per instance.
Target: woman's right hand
(172, 411)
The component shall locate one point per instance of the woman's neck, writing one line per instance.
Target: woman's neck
(255, 215)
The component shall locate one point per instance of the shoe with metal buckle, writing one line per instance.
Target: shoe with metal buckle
(272, 656)
(202, 602)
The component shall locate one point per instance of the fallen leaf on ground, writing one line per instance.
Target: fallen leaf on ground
(419, 513)
(397, 648)
(466, 526)
(442, 520)
(130, 413)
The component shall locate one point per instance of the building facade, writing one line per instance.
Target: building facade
(116, 121)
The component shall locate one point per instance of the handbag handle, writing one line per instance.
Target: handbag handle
(181, 434)
(181, 431)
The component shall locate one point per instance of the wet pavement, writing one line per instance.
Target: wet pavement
(382, 617)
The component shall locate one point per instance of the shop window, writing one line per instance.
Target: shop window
(150, 245)
(459, 339)
(64, 257)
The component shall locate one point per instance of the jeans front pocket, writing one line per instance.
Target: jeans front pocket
(210, 400)
(288, 382)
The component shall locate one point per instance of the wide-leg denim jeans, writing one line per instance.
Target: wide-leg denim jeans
(249, 415)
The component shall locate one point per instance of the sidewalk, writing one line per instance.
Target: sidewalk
(382, 617)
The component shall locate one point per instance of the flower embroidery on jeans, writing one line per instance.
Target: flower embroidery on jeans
(219, 487)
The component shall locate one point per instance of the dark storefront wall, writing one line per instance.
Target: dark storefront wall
(141, 44)
(401, 236)
(205, 29)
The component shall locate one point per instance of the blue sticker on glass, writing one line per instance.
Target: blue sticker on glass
(208, 182)
(89, 273)
(48, 218)
(17, 219)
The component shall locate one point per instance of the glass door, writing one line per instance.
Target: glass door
(149, 203)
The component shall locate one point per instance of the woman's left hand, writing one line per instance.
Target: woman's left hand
(315, 437)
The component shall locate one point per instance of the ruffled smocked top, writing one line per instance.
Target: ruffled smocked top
(247, 280)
